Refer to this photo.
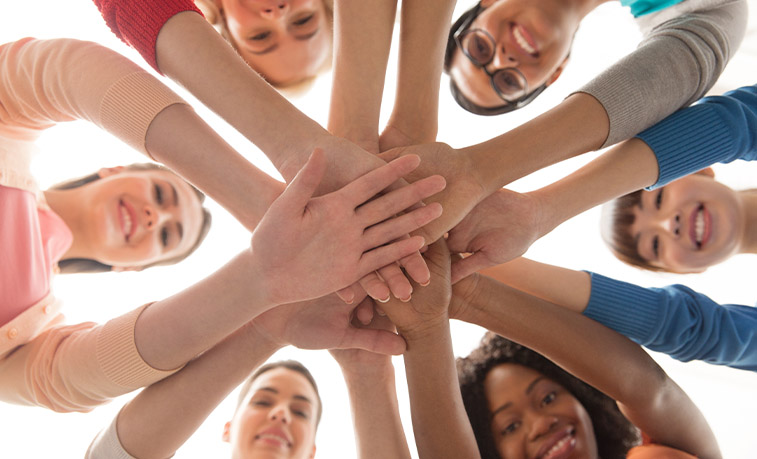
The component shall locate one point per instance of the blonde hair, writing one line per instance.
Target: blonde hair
(214, 15)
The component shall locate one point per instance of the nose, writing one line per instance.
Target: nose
(275, 10)
(280, 413)
(152, 216)
(672, 224)
(542, 425)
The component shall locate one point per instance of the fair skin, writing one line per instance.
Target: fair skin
(533, 416)
(277, 418)
(533, 37)
(662, 410)
(286, 41)
(128, 219)
(692, 223)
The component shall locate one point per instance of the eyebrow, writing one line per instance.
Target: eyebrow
(528, 391)
(276, 391)
(275, 46)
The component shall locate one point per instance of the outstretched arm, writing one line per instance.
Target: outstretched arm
(662, 410)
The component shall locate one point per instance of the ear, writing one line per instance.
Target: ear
(707, 172)
(108, 171)
(226, 436)
(557, 72)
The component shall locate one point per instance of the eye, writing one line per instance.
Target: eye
(510, 428)
(260, 403)
(301, 414)
(164, 236)
(158, 195)
(303, 21)
(658, 199)
(656, 246)
(549, 398)
(260, 36)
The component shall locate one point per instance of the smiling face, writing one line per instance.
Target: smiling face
(688, 225)
(286, 41)
(531, 36)
(534, 417)
(136, 218)
(277, 418)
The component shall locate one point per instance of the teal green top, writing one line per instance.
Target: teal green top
(642, 7)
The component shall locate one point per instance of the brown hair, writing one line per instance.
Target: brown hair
(292, 365)
(86, 265)
(617, 218)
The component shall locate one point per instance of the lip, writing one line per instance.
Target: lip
(706, 224)
(565, 437)
(126, 208)
(274, 436)
(524, 35)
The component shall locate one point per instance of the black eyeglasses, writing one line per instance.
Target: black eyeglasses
(480, 47)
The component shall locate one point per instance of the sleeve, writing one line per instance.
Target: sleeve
(675, 64)
(715, 129)
(43, 82)
(677, 321)
(138, 22)
(77, 367)
(106, 445)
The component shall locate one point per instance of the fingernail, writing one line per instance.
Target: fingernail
(384, 300)
(405, 300)
(425, 284)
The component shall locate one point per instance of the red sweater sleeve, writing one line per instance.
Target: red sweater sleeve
(138, 22)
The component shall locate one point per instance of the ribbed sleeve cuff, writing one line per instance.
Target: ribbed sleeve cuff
(626, 308)
(130, 105)
(688, 141)
(119, 358)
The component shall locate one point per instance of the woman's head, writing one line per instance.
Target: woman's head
(683, 227)
(130, 218)
(501, 54)
(277, 414)
(286, 41)
(521, 405)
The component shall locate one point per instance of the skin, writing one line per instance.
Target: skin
(129, 219)
(665, 224)
(546, 25)
(281, 402)
(532, 413)
(285, 41)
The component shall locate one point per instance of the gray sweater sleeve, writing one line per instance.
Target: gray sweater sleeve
(674, 65)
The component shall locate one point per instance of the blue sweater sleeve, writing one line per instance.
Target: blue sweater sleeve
(677, 321)
(715, 129)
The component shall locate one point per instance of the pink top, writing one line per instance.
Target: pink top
(32, 240)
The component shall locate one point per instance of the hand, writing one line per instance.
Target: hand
(394, 137)
(362, 363)
(500, 228)
(463, 296)
(325, 323)
(463, 189)
(307, 247)
(429, 305)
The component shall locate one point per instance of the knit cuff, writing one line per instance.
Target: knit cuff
(626, 308)
(688, 141)
(131, 104)
(119, 358)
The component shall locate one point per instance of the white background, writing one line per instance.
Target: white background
(727, 397)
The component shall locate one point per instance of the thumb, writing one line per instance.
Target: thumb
(378, 341)
(303, 186)
(466, 266)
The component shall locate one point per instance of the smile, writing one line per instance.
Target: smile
(273, 437)
(524, 40)
(126, 217)
(559, 446)
(701, 226)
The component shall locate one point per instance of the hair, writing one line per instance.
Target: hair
(215, 16)
(617, 218)
(292, 365)
(614, 433)
(87, 265)
(459, 97)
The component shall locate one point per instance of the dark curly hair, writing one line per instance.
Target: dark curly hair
(614, 433)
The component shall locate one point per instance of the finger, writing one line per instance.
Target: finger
(397, 227)
(465, 267)
(364, 312)
(392, 154)
(348, 294)
(302, 187)
(382, 256)
(372, 183)
(399, 200)
(378, 341)
(397, 282)
(375, 287)
(415, 267)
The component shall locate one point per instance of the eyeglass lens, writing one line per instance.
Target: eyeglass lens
(479, 48)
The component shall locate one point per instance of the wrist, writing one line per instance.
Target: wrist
(425, 330)
(368, 375)
(259, 340)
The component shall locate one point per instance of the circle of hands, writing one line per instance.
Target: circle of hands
(363, 242)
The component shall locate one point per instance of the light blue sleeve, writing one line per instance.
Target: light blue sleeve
(715, 129)
(677, 321)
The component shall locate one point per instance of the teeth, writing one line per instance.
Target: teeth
(558, 446)
(127, 220)
(699, 227)
(277, 438)
(522, 42)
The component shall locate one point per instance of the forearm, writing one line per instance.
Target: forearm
(423, 35)
(164, 415)
(363, 36)
(440, 423)
(375, 413)
(192, 53)
(180, 139)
